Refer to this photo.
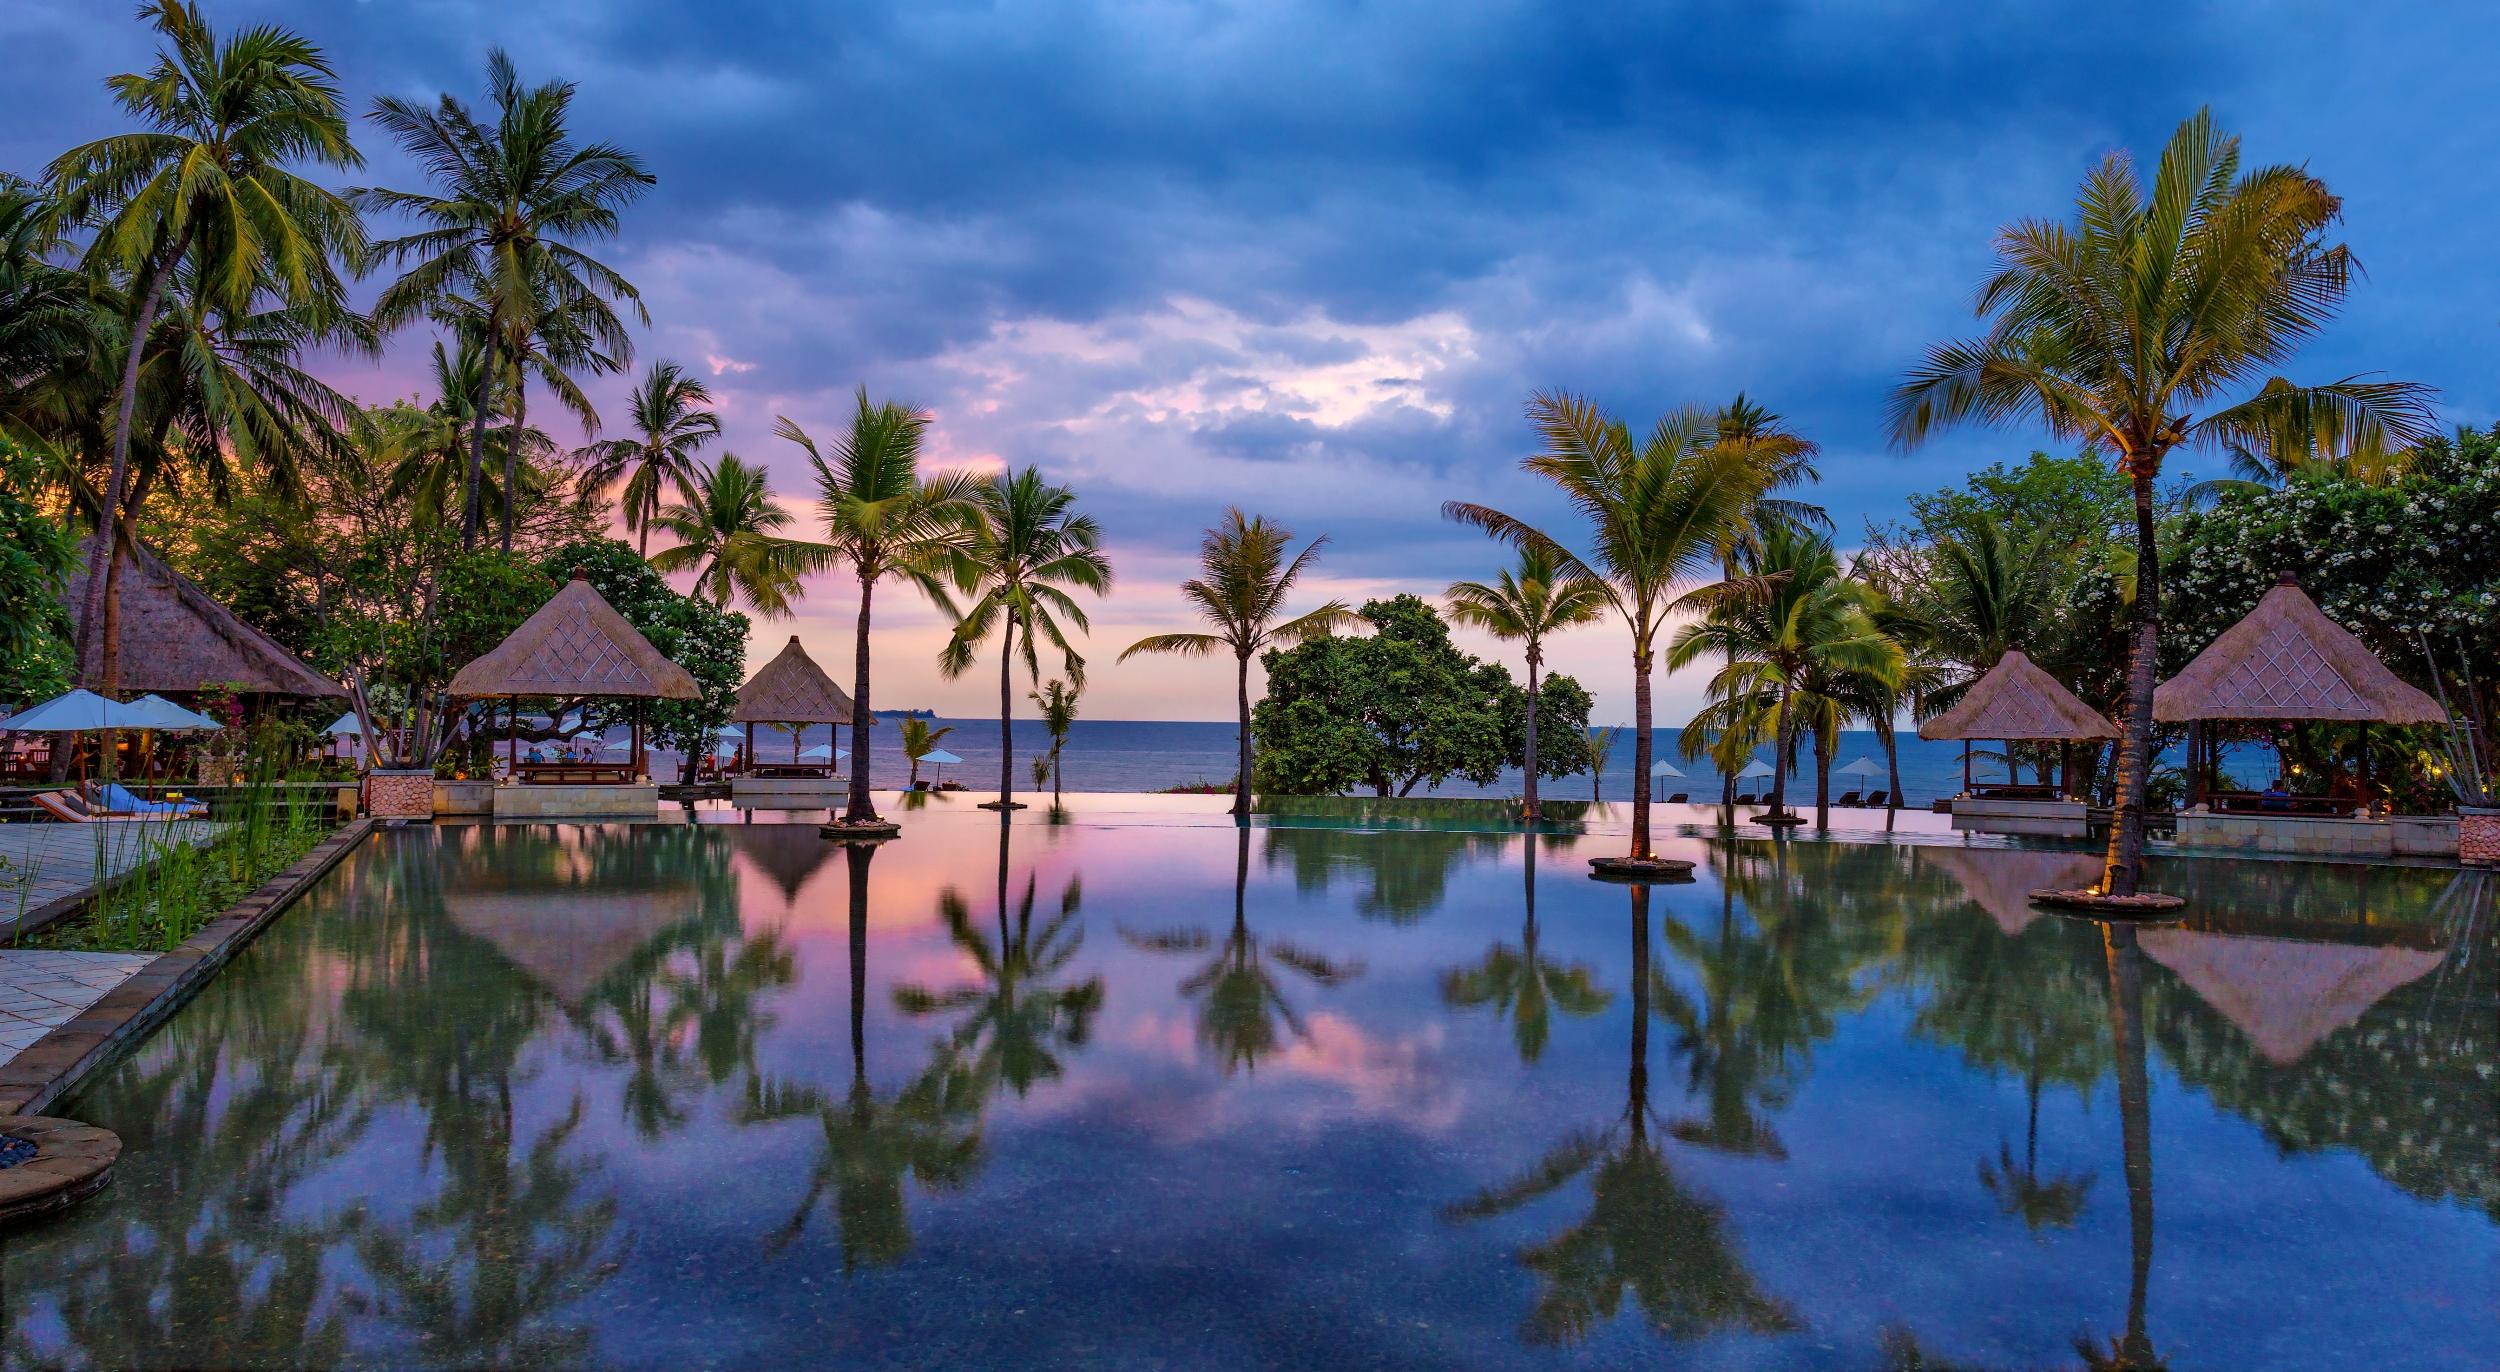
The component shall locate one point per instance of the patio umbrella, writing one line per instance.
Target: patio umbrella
(1863, 767)
(156, 712)
(941, 757)
(824, 750)
(72, 713)
(1664, 769)
(1755, 768)
(345, 726)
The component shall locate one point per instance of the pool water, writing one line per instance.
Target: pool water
(1160, 1091)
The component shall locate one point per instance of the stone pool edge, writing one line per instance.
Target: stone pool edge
(62, 1060)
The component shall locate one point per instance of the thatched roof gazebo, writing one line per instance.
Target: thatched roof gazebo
(790, 690)
(2017, 702)
(2284, 661)
(577, 645)
(177, 638)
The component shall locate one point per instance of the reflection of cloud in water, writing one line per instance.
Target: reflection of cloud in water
(1397, 1078)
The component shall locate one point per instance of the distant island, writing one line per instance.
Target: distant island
(904, 714)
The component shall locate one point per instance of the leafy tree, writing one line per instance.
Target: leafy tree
(1243, 581)
(36, 556)
(673, 420)
(1537, 599)
(727, 535)
(1057, 702)
(2130, 328)
(703, 638)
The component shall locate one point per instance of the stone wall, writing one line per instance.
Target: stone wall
(400, 794)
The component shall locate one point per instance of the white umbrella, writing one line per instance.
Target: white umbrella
(1863, 767)
(1664, 769)
(71, 713)
(824, 750)
(939, 755)
(1755, 768)
(156, 712)
(345, 726)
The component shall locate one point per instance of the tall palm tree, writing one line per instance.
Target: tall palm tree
(1241, 588)
(2131, 328)
(1785, 459)
(727, 536)
(884, 519)
(509, 201)
(1537, 598)
(563, 335)
(206, 193)
(672, 421)
(1057, 702)
(1660, 511)
(1800, 625)
(1027, 547)
(45, 313)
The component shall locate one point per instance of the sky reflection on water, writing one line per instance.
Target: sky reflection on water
(1179, 1094)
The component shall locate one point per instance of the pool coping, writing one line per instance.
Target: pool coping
(58, 1063)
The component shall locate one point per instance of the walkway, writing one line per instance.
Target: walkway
(42, 990)
(43, 863)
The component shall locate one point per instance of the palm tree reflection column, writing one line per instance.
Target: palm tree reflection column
(2133, 1349)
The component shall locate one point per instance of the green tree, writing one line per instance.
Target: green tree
(36, 556)
(1027, 549)
(1526, 605)
(1660, 511)
(206, 194)
(919, 740)
(1057, 702)
(1243, 580)
(45, 314)
(727, 534)
(2130, 328)
(1398, 708)
(884, 519)
(509, 202)
(708, 641)
(672, 420)
(1601, 746)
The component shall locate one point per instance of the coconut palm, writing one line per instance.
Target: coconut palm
(563, 335)
(207, 195)
(672, 421)
(1601, 744)
(1785, 459)
(883, 519)
(1660, 512)
(1535, 599)
(1243, 581)
(1800, 626)
(1027, 548)
(45, 318)
(508, 203)
(919, 740)
(726, 535)
(433, 443)
(1057, 702)
(2132, 328)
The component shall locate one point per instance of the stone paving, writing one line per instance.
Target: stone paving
(43, 863)
(41, 990)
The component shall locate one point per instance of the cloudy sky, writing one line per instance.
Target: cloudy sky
(1310, 258)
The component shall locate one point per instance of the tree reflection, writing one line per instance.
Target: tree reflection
(1242, 1006)
(1016, 1018)
(928, 1132)
(1522, 984)
(1644, 1235)
(1406, 876)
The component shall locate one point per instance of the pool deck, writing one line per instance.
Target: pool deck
(50, 865)
(41, 990)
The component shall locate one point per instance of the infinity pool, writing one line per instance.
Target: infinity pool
(1153, 1090)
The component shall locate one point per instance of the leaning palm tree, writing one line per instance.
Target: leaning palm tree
(727, 535)
(1057, 702)
(883, 519)
(1244, 579)
(672, 420)
(1660, 511)
(2132, 328)
(508, 203)
(206, 193)
(1537, 598)
(1027, 548)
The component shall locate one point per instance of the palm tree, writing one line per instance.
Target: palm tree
(726, 534)
(883, 519)
(433, 449)
(1027, 548)
(2303, 445)
(45, 316)
(206, 193)
(1057, 702)
(2131, 328)
(1786, 459)
(1601, 743)
(1243, 581)
(1800, 626)
(1523, 984)
(1660, 511)
(1537, 598)
(919, 740)
(672, 422)
(499, 227)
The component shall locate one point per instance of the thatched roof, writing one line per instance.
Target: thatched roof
(2000, 881)
(2285, 994)
(576, 645)
(2016, 700)
(791, 689)
(2287, 660)
(175, 638)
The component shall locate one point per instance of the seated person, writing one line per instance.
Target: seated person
(535, 755)
(2275, 797)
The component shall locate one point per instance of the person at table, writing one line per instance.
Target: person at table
(2275, 796)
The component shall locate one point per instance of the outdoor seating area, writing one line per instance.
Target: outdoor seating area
(791, 693)
(2016, 702)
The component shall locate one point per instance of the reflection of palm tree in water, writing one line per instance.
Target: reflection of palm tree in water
(2132, 1350)
(1644, 1234)
(1244, 1004)
(929, 1131)
(2050, 1202)
(1523, 984)
(1015, 1018)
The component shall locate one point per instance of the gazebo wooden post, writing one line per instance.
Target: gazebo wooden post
(2361, 741)
(748, 757)
(637, 736)
(511, 737)
(2065, 765)
(1965, 766)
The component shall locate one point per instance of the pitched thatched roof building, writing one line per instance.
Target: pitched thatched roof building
(176, 638)
(2016, 700)
(576, 645)
(791, 689)
(2287, 660)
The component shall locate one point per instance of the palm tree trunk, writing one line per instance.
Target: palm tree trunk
(1892, 764)
(1241, 688)
(1780, 753)
(1641, 745)
(1534, 813)
(2123, 868)
(1636, 1085)
(104, 561)
(1057, 782)
(1006, 723)
(512, 454)
(855, 858)
(472, 499)
(862, 809)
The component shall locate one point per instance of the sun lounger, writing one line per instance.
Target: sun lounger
(1850, 798)
(113, 800)
(1748, 798)
(1680, 798)
(64, 806)
(1876, 801)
